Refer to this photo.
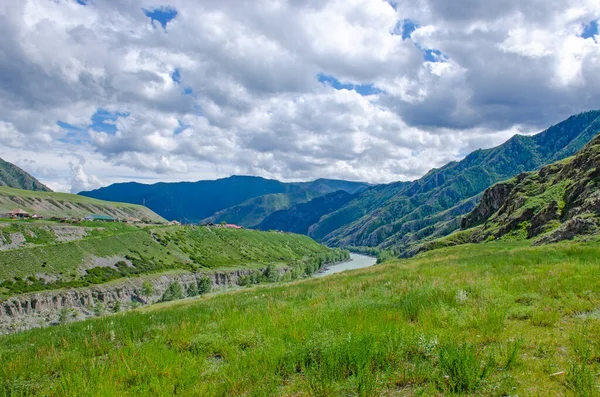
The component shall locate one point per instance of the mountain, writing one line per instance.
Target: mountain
(326, 186)
(299, 218)
(402, 214)
(198, 201)
(15, 177)
(558, 202)
(252, 212)
(50, 204)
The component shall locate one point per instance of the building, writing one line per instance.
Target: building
(174, 223)
(36, 216)
(18, 214)
(232, 226)
(102, 218)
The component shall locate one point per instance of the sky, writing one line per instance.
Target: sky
(94, 92)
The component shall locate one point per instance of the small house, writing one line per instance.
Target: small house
(18, 214)
(232, 226)
(36, 216)
(174, 223)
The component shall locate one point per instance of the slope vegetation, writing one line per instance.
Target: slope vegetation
(44, 255)
(15, 177)
(252, 212)
(50, 204)
(559, 202)
(402, 214)
(486, 320)
(299, 218)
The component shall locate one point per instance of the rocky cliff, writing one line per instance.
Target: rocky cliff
(42, 309)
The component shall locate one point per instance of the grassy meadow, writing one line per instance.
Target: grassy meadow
(495, 319)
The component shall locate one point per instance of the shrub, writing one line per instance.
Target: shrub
(147, 289)
(192, 290)
(204, 285)
(99, 309)
(271, 274)
(174, 291)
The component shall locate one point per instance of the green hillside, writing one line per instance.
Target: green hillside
(299, 218)
(252, 212)
(50, 204)
(561, 201)
(15, 177)
(400, 215)
(44, 255)
(487, 320)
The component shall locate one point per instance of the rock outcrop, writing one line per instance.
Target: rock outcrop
(42, 309)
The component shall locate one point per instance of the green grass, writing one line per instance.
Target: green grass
(494, 319)
(51, 264)
(52, 204)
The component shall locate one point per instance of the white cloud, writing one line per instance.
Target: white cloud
(248, 100)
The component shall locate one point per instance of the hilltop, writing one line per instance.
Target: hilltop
(59, 205)
(15, 177)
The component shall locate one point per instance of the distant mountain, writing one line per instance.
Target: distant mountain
(299, 218)
(253, 211)
(198, 201)
(15, 177)
(326, 186)
(559, 202)
(402, 214)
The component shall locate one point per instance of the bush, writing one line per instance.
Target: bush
(204, 285)
(174, 291)
(271, 274)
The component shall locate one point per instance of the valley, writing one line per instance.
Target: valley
(499, 318)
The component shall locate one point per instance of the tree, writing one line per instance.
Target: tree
(204, 285)
(147, 290)
(174, 291)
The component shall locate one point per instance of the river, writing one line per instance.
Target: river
(356, 262)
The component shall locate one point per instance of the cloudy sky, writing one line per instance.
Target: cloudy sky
(101, 91)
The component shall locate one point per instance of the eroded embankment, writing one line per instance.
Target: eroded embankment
(41, 309)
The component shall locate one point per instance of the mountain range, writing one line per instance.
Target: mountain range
(399, 216)
(244, 200)
(15, 177)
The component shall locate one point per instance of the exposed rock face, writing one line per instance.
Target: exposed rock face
(493, 198)
(42, 309)
(570, 229)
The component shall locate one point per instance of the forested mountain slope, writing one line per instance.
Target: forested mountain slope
(401, 214)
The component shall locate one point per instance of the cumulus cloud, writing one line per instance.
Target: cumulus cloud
(205, 89)
(80, 180)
